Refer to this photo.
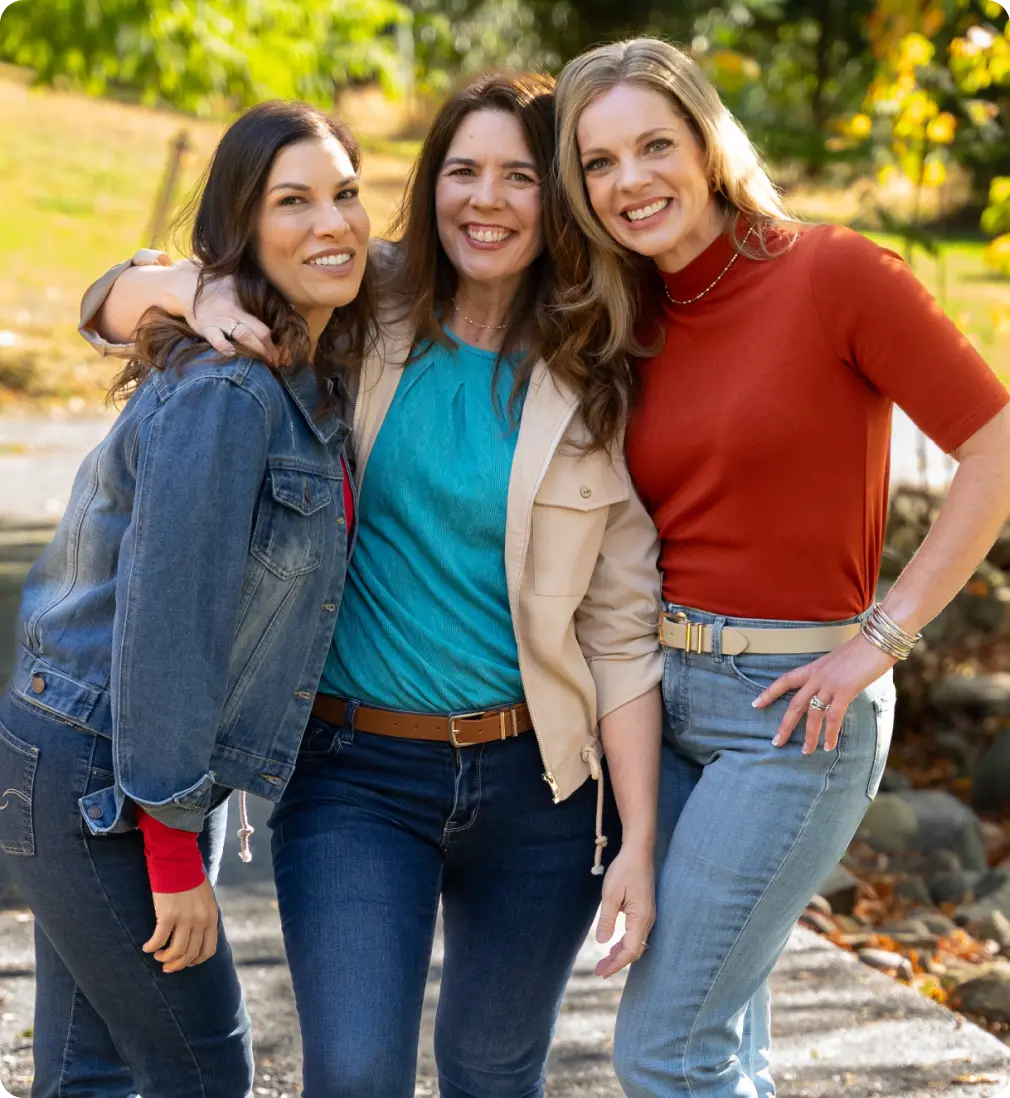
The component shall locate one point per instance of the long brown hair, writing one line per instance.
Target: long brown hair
(223, 242)
(538, 325)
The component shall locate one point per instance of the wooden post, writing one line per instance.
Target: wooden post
(163, 203)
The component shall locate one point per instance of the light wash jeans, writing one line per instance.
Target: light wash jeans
(747, 833)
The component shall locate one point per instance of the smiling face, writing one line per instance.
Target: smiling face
(487, 201)
(312, 230)
(645, 176)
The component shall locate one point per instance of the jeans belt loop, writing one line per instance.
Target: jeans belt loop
(347, 732)
(717, 627)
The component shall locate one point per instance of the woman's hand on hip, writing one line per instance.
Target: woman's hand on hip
(217, 316)
(186, 931)
(629, 886)
(834, 680)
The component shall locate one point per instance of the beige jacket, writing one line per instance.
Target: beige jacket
(580, 558)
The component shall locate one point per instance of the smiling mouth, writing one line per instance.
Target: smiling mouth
(337, 259)
(644, 212)
(488, 234)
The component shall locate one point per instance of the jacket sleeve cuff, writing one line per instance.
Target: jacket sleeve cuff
(622, 679)
(174, 862)
(95, 295)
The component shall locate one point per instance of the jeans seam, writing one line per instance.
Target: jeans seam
(480, 789)
(66, 1043)
(158, 990)
(729, 953)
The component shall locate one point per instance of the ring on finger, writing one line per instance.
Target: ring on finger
(821, 706)
(231, 331)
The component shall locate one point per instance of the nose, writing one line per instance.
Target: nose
(487, 193)
(631, 173)
(330, 223)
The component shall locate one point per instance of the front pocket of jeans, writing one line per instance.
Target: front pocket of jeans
(289, 534)
(18, 762)
(883, 724)
(760, 677)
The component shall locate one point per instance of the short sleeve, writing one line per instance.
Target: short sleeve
(884, 324)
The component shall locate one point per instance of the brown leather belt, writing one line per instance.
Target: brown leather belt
(459, 729)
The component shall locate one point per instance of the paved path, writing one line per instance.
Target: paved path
(841, 1029)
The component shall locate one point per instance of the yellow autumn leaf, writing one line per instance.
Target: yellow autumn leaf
(942, 128)
(858, 126)
(935, 174)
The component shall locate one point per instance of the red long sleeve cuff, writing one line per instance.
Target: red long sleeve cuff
(174, 863)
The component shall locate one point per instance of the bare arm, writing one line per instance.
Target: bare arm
(217, 316)
(972, 515)
(631, 742)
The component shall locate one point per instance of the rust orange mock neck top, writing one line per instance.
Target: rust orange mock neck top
(760, 443)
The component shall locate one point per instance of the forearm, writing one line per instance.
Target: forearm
(972, 515)
(631, 738)
(137, 290)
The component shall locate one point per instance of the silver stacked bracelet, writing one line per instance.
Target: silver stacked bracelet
(885, 633)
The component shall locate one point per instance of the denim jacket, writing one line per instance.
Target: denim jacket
(188, 598)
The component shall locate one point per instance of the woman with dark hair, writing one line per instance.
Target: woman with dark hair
(172, 634)
(772, 356)
(499, 621)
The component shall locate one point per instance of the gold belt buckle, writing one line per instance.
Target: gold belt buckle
(454, 731)
(481, 714)
(692, 639)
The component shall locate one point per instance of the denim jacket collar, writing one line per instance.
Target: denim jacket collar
(307, 389)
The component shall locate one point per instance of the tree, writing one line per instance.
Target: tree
(204, 54)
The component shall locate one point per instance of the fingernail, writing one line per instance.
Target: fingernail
(756, 703)
(807, 750)
(776, 742)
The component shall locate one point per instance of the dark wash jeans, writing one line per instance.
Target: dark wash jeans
(108, 1022)
(368, 836)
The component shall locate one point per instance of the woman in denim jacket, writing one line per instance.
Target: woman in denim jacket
(172, 635)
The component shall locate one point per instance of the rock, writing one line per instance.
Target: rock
(857, 939)
(820, 905)
(991, 882)
(956, 745)
(977, 693)
(915, 890)
(884, 961)
(911, 933)
(992, 927)
(999, 554)
(991, 776)
(945, 823)
(994, 901)
(987, 994)
(994, 839)
(893, 781)
(956, 886)
(814, 920)
(841, 890)
(890, 825)
(940, 925)
(942, 861)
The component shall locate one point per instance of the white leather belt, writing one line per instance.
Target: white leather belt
(676, 631)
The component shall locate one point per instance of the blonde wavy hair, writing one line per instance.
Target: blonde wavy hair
(619, 281)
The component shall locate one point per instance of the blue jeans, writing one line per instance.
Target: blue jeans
(747, 833)
(108, 1022)
(368, 836)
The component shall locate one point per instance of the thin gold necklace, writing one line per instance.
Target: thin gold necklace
(476, 323)
(712, 285)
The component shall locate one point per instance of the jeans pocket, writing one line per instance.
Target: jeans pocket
(321, 740)
(760, 671)
(18, 761)
(883, 720)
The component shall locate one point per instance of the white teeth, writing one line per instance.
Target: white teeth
(488, 236)
(647, 211)
(331, 260)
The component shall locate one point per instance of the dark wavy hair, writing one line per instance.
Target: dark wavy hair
(539, 323)
(223, 242)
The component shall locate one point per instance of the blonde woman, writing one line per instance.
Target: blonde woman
(759, 444)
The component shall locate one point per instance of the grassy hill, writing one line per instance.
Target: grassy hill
(79, 177)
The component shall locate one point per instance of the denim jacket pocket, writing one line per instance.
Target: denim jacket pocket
(18, 761)
(289, 534)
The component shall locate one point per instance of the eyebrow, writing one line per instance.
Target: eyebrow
(641, 137)
(305, 187)
(468, 162)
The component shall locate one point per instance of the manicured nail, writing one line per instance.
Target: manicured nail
(756, 703)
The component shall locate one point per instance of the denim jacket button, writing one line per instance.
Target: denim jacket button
(329, 607)
(304, 695)
(38, 683)
(271, 778)
(95, 812)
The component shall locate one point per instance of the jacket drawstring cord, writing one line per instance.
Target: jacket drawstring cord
(246, 830)
(596, 773)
